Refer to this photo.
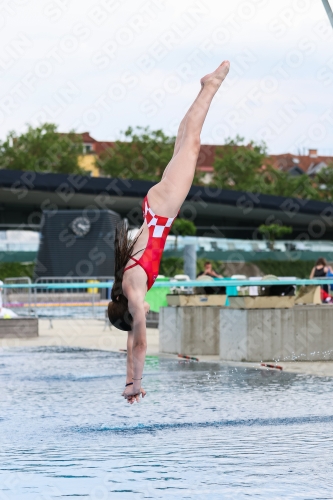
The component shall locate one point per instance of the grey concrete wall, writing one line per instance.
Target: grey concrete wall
(190, 330)
(169, 329)
(19, 328)
(303, 333)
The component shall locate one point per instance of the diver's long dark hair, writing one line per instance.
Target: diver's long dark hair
(118, 312)
(123, 249)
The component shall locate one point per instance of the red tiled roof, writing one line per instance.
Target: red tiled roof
(207, 153)
(206, 169)
(86, 137)
(99, 147)
(206, 156)
(282, 162)
(286, 161)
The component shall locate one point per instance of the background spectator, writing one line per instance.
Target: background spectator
(209, 271)
(320, 270)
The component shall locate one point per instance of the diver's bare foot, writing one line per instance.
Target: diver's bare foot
(217, 77)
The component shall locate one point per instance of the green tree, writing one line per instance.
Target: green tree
(143, 154)
(42, 149)
(171, 266)
(274, 231)
(16, 270)
(182, 227)
(248, 168)
(280, 183)
(324, 183)
(238, 166)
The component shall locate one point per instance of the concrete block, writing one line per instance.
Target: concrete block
(190, 330)
(304, 333)
(261, 302)
(309, 295)
(196, 300)
(19, 328)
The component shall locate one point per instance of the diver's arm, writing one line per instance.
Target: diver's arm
(129, 373)
(129, 392)
(136, 360)
(139, 343)
(129, 362)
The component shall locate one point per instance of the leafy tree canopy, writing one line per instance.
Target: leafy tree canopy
(42, 149)
(183, 227)
(238, 166)
(274, 231)
(324, 183)
(143, 154)
(248, 168)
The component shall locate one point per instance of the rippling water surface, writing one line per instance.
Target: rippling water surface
(204, 431)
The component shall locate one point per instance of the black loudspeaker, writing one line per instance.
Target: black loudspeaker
(77, 243)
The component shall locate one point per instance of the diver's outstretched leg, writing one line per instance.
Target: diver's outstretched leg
(168, 195)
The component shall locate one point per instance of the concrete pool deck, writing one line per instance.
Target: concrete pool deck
(94, 334)
(85, 333)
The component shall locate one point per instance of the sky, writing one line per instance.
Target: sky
(103, 65)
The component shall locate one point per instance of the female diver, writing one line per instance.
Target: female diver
(137, 262)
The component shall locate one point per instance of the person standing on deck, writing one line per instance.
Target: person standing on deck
(320, 270)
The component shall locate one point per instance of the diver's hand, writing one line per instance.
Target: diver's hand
(132, 394)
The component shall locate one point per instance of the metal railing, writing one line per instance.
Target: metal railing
(59, 297)
(79, 299)
(12, 296)
(171, 282)
(90, 281)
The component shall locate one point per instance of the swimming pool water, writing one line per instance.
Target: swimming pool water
(204, 431)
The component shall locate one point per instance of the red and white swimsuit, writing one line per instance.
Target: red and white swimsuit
(159, 228)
